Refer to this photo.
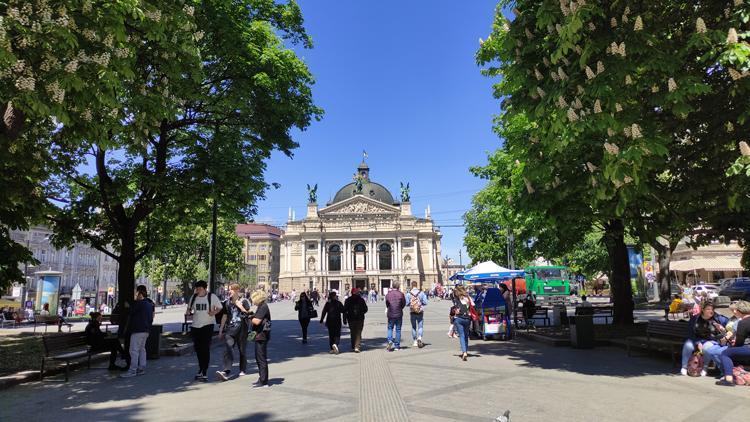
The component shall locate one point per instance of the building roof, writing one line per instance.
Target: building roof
(258, 230)
(370, 189)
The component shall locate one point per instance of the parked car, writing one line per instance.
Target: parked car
(739, 290)
(710, 290)
(728, 282)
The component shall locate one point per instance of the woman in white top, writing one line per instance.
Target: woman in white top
(462, 318)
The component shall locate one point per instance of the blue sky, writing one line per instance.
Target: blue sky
(397, 79)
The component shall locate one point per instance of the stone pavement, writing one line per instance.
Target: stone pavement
(536, 382)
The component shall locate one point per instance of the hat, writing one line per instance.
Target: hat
(743, 307)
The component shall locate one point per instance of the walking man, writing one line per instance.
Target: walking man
(394, 303)
(417, 300)
(355, 308)
(234, 329)
(203, 306)
(140, 319)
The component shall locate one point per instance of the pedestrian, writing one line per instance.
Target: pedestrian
(203, 306)
(394, 303)
(417, 300)
(334, 310)
(262, 329)
(233, 330)
(98, 342)
(462, 318)
(140, 318)
(315, 296)
(355, 309)
(305, 312)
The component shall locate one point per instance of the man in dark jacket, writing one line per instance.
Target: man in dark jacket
(141, 317)
(395, 303)
(355, 308)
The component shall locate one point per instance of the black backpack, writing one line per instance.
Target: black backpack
(218, 316)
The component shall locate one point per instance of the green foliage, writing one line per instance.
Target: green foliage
(169, 105)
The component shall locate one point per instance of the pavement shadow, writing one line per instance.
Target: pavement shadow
(605, 361)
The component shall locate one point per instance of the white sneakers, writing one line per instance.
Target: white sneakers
(683, 371)
(415, 344)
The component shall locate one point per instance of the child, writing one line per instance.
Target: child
(452, 330)
(676, 305)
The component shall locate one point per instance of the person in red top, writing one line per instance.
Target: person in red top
(395, 303)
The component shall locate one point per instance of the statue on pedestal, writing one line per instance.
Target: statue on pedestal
(312, 194)
(405, 192)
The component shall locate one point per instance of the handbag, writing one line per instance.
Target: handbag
(313, 314)
(695, 364)
(234, 329)
(473, 313)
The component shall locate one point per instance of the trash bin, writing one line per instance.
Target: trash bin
(582, 331)
(153, 342)
(559, 315)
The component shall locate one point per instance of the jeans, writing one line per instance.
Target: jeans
(304, 322)
(261, 358)
(394, 323)
(687, 350)
(114, 347)
(355, 330)
(138, 351)
(713, 353)
(462, 328)
(727, 356)
(240, 340)
(334, 335)
(417, 326)
(202, 343)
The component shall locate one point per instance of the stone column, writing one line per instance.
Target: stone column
(432, 254)
(345, 258)
(372, 264)
(397, 253)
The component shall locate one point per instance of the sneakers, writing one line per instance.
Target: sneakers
(335, 349)
(389, 346)
(415, 344)
(129, 374)
(140, 372)
(703, 373)
(683, 371)
(242, 374)
(356, 350)
(396, 349)
(222, 375)
(258, 384)
(198, 376)
(419, 343)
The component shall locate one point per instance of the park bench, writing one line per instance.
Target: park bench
(66, 347)
(539, 313)
(7, 320)
(605, 312)
(187, 323)
(49, 320)
(668, 336)
(107, 323)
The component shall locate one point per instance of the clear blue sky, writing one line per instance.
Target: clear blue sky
(397, 79)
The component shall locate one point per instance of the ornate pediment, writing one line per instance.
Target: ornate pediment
(359, 205)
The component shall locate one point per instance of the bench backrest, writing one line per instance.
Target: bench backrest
(58, 342)
(46, 319)
(677, 329)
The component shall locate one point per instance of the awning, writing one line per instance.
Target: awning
(724, 263)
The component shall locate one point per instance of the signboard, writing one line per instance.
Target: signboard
(635, 258)
(80, 307)
(48, 292)
(359, 261)
(76, 294)
(16, 291)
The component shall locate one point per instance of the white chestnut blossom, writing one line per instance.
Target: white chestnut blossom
(671, 84)
(638, 24)
(592, 168)
(626, 130)
(611, 148)
(599, 67)
(561, 73)
(592, 27)
(529, 35)
(72, 66)
(597, 107)
(628, 80)
(627, 179)
(572, 116)
(610, 132)
(732, 36)
(577, 104)
(189, 10)
(25, 83)
(734, 74)
(538, 74)
(589, 73)
(613, 23)
(541, 92)
(730, 127)
(57, 93)
(529, 188)
(618, 107)
(744, 149)
(700, 26)
(654, 88)
(154, 15)
(635, 130)
(561, 102)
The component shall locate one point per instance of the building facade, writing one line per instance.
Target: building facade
(450, 268)
(363, 238)
(93, 271)
(261, 252)
(709, 263)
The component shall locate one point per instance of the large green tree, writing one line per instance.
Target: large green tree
(182, 129)
(601, 97)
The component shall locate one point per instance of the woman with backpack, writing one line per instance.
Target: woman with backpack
(704, 330)
(462, 303)
(333, 309)
(305, 311)
(740, 349)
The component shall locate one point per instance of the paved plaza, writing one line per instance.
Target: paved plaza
(535, 382)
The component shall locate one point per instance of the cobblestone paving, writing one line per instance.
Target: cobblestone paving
(536, 382)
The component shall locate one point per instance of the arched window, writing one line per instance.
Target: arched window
(334, 258)
(384, 254)
(360, 257)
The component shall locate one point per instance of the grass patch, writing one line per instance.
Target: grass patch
(20, 353)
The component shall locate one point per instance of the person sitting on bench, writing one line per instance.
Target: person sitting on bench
(98, 341)
(741, 347)
(705, 330)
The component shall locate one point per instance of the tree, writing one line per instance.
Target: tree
(184, 129)
(619, 88)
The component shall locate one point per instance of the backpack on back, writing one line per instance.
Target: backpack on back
(415, 304)
(217, 316)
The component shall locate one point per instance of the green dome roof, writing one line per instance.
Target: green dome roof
(370, 189)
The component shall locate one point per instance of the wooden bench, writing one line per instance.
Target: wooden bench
(605, 312)
(666, 336)
(539, 313)
(49, 320)
(66, 347)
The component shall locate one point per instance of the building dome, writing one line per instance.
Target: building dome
(370, 189)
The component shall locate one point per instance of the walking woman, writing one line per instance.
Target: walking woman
(462, 318)
(233, 330)
(262, 328)
(333, 309)
(305, 311)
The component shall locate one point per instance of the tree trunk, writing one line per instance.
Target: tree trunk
(664, 256)
(619, 281)
(126, 271)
